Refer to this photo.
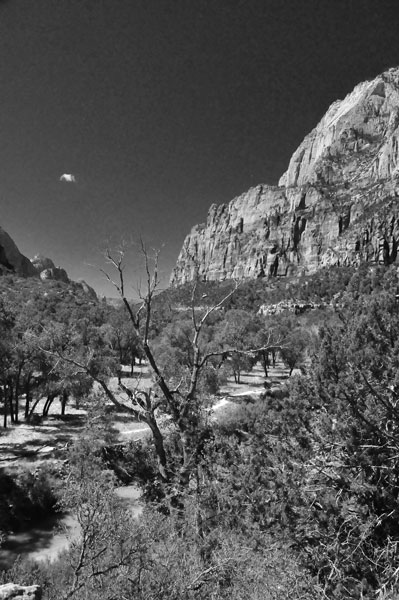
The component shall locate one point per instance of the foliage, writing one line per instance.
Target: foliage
(292, 496)
(159, 556)
(36, 317)
(319, 468)
(26, 497)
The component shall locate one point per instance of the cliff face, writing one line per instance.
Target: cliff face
(11, 258)
(337, 203)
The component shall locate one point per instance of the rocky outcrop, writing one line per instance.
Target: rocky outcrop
(11, 591)
(294, 306)
(11, 259)
(337, 203)
(86, 288)
(47, 269)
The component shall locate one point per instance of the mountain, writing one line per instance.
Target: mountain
(11, 258)
(12, 261)
(336, 204)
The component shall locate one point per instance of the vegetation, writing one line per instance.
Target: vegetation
(26, 498)
(291, 496)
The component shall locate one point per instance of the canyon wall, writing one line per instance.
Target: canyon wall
(336, 204)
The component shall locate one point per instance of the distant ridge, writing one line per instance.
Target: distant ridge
(13, 261)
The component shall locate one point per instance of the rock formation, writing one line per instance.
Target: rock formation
(47, 269)
(11, 591)
(337, 203)
(86, 288)
(11, 259)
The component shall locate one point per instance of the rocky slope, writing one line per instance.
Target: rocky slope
(12, 261)
(337, 203)
(11, 258)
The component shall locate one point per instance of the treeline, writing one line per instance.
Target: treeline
(55, 342)
(37, 322)
(321, 286)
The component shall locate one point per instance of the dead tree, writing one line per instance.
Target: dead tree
(181, 404)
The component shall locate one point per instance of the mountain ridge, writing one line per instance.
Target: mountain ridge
(13, 261)
(336, 203)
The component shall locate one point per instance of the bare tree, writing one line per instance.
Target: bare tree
(180, 403)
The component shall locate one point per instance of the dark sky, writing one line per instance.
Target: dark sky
(161, 108)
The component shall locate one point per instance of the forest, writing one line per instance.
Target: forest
(292, 495)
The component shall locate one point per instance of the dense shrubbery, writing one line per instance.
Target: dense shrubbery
(163, 555)
(294, 496)
(319, 468)
(26, 498)
(323, 286)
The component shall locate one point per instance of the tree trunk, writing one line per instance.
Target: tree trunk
(159, 448)
(32, 410)
(9, 394)
(3, 395)
(64, 400)
(16, 405)
(47, 404)
(27, 399)
(265, 361)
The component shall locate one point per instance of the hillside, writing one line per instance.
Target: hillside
(12, 261)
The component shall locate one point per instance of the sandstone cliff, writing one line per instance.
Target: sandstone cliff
(337, 203)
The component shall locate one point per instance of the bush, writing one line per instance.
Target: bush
(26, 497)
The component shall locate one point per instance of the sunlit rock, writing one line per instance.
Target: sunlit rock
(337, 203)
(47, 269)
(11, 591)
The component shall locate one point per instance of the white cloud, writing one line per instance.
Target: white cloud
(68, 178)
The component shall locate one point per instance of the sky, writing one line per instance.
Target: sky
(160, 108)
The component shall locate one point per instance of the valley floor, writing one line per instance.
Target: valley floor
(28, 445)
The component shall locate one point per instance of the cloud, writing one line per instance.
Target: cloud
(68, 178)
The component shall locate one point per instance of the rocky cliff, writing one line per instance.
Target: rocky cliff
(337, 203)
(12, 261)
